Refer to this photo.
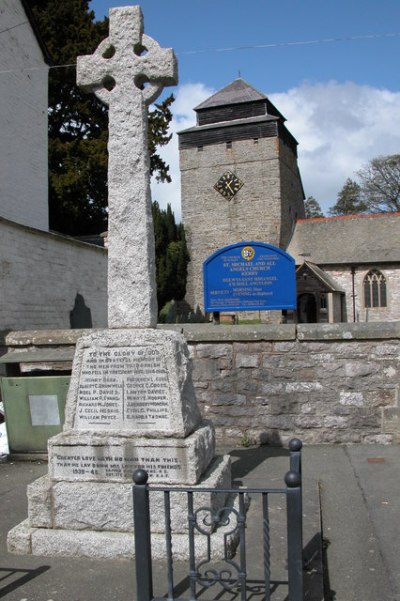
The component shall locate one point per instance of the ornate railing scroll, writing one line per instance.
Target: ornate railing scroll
(230, 520)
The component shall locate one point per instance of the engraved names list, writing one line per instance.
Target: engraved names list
(123, 388)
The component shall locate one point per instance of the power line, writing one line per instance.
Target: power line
(230, 48)
(296, 43)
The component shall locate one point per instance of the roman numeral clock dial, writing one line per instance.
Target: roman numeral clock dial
(228, 184)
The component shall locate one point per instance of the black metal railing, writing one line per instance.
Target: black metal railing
(230, 522)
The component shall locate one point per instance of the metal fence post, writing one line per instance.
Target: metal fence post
(295, 446)
(141, 517)
(294, 536)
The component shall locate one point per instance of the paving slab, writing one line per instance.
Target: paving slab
(360, 506)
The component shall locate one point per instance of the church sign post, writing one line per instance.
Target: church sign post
(249, 276)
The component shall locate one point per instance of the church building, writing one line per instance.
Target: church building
(349, 268)
(240, 182)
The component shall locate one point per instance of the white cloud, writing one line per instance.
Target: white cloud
(339, 127)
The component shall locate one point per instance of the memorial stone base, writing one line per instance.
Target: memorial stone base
(130, 405)
(95, 519)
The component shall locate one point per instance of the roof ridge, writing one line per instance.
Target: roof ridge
(353, 216)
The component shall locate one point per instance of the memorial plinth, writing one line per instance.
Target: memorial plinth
(134, 382)
(130, 405)
(75, 457)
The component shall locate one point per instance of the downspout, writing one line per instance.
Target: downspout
(353, 271)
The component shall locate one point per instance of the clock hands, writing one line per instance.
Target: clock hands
(228, 184)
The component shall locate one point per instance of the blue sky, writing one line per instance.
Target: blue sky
(331, 67)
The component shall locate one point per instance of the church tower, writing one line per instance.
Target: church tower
(239, 177)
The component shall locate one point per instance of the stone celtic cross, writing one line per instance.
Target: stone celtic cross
(127, 72)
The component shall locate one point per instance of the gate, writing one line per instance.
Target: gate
(202, 574)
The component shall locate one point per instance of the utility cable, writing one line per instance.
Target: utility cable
(233, 48)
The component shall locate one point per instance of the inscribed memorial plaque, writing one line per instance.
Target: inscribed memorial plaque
(123, 388)
(82, 457)
(118, 463)
(249, 276)
(132, 382)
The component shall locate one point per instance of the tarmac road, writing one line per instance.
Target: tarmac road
(360, 506)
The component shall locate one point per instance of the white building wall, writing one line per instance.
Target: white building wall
(40, 275)
(342, 275)
(23, 120)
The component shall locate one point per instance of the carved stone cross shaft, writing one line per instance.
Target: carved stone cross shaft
(128, 71)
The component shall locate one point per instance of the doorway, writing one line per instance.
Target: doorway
(306, 308)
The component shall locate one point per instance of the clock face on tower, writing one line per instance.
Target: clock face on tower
(228, 184)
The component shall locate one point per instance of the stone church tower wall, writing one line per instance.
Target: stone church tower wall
(261, 153)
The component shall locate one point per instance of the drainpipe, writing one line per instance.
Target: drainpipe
(353, 271)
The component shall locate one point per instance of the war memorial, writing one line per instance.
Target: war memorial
(131, 400)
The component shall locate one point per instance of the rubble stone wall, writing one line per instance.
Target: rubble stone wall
(324, 383)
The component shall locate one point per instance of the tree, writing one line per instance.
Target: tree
(172, 256)
(380, 183)
(159, 119)
(312, 208)
(349, 200)
(78, 122)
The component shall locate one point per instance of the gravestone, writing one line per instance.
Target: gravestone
(131, 401)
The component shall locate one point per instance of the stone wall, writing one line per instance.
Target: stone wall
(292, 195)
(391, 272)
(41, 274)
(266, 167)
(325, 383)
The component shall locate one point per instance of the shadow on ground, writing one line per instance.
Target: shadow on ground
(247, 460)
(13, 578)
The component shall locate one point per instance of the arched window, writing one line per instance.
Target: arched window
(375, 289)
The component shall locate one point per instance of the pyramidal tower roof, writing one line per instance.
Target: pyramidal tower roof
(236, 112)
(234, 93)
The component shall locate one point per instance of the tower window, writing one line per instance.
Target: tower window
(375, 289)
(229, 144)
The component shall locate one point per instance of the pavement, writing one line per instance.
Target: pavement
(351, 508)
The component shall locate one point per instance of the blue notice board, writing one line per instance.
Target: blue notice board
(249, 276)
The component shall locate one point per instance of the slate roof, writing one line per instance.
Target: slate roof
(351, 239)
(246, 121)
(237, 91)
(321, 275)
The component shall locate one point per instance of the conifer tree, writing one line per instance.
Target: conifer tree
(349, 201)
(312, 208)
(172, 256)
